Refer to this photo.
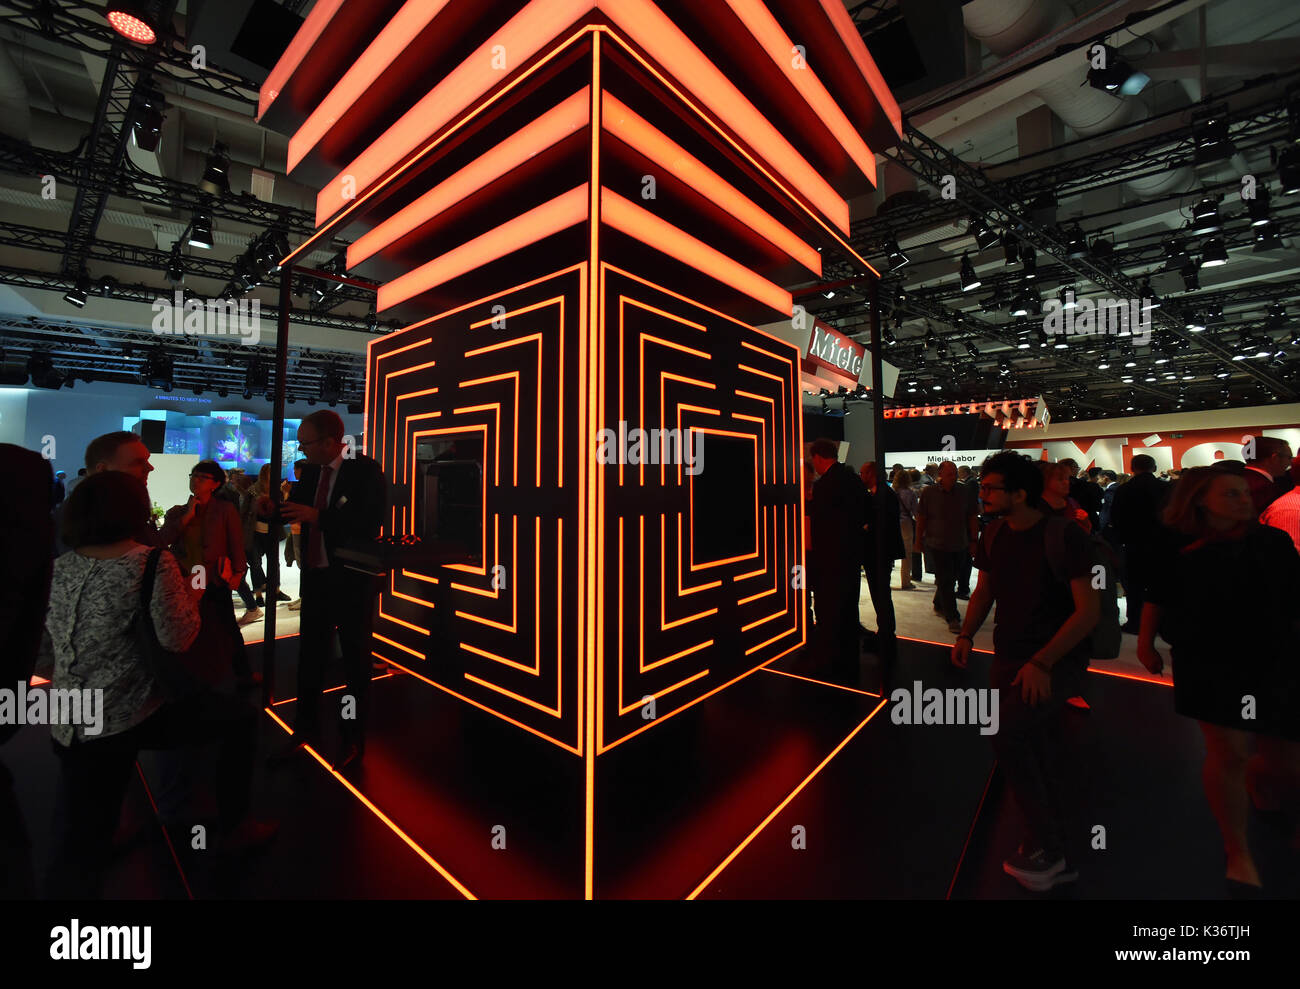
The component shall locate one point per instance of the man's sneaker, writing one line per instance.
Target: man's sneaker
(295, 604)
(250, 616)
(954, 626)
(1035, 872)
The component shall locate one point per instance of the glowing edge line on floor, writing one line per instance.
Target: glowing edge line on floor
(782, 805)
(365, 801)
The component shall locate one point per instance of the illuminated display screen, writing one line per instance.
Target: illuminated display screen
(449, 494)
(725, 521)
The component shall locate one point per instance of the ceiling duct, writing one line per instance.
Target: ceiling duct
(1006, 26)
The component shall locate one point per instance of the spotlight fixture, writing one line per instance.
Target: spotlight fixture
(1191, 280)
(1023, 340)
(985, 236)
(1276, 317)
(1196, 323)
(1149, 298)
(1205, 217)
(1210, 135)
(1257, 208)
(331, 386)
(969, 280)
(147, 120)
(1004, 368)
(201, 231)
(1028, 262)
(1114, 75)
(1176, 258)
(41, 368)
(1076, 242)
(894, 254)
(77, 295)
(1010, 248)
(175, 273)
(106, 286)
(1067, 299)
(1266, 239)
(222, 392)
(1102, 248)
(887, 335)
(829, 293)
(1104, 363)
(132, 21)
(216, 178)
(1021, 306)
(1213, 253)
(157, 371)
(912, 386)
(972, 352)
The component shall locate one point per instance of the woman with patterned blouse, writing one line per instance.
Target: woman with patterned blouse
(91, 644)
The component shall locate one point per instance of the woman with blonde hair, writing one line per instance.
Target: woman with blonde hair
(1235, 646)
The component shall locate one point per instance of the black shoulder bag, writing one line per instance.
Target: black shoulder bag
(167, 667)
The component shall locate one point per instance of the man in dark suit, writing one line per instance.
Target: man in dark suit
(339, 501)
(1135, 519)
(835, 559)
(1266, 471)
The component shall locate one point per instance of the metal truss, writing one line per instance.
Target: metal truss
(1252, 127)
(58, 282)
(131, 182)
(103, 353)
(81, 26)
(931, 162)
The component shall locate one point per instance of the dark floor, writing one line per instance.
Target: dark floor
(783, 786)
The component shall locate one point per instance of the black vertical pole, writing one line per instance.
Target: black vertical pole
(877, 387)
(277, 468)
(884, 565)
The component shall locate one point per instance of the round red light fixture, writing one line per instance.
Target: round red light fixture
(128, 20)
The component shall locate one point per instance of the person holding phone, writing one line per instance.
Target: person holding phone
(206, 537)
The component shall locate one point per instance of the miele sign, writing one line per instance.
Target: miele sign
(828, 350)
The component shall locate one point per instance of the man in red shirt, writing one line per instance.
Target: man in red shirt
(1284, 512)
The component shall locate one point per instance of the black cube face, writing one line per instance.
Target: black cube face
(725, 521)
(449, 495)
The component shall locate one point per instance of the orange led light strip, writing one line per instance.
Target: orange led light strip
(365, 802)
(302, 43)
(550, 218)
(544, 132)
(621, 121)
(646, 24)
(522, 37)
(397, 34)
(852, 38)
(768, 33)
(642, 225)
(783, 804)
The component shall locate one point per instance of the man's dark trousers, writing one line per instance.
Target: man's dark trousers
(335, 597)
(946, 564)
(1137, 577)
(837, 633)
(1028, 747)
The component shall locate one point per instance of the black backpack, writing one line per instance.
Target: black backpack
(1103, 642)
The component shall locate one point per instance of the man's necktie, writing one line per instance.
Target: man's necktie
(316, 545)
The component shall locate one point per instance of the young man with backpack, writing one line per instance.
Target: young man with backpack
(1040, 572)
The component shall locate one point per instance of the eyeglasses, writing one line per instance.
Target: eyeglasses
(990, 487)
